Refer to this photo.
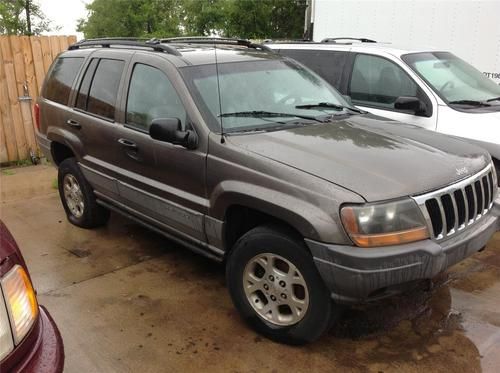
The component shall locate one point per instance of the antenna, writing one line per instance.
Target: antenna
(222, 140)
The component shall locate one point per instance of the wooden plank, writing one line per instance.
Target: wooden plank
(55, 48)
(71, 39)
(8, 151)
(29, 68)
(63, 42)
(36, 48)
(4, 156)
(15, 139)
(23, 91)
(46, 53)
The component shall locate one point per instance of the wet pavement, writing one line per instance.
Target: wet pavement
(126, 300)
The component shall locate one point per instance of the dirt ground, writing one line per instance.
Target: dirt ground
(128, 300)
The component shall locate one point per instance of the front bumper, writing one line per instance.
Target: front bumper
(46, 354)
(356, 275)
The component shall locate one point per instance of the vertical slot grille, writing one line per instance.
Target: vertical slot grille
(459, 198)
(455, 208)
(449, 212)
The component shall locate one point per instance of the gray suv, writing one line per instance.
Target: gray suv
(253, 160)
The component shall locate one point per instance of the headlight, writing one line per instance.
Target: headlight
(6, 342)
(20, 300)
(384, 224)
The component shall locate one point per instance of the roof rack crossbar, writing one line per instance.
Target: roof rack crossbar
(129, 42)
(334, 40)
(215, 40)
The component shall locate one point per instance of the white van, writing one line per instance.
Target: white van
(432, 89)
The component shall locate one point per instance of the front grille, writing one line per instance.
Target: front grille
(454, 208)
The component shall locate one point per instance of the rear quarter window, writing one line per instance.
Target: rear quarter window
(61, 79)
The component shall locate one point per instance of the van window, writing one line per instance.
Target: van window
(61, 79)
(151, 96)
(104, 88)
(327, 64)
(378, 82)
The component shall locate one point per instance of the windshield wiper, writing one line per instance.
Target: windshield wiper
(269, 114)
(470, 102)
(328, 105)
(493, 99)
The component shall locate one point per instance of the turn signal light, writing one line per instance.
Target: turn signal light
(21, 302)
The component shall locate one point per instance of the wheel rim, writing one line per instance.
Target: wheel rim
(275, 289)
(73, 196)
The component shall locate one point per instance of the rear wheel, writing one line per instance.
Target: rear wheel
(78, 198)
(276, 287)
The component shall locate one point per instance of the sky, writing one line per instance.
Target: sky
(64, 13)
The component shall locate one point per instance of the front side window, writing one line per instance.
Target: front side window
(103, 91)
(378, 82)
(61, 79)
(250, 90)
(453, 79)
(151, 96)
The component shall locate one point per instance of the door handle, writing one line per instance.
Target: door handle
(73, 123)
(128, 143)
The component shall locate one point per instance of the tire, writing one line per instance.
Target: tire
(86, 213)
(264, 242)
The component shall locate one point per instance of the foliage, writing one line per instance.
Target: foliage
(14, 20)
(254, 19)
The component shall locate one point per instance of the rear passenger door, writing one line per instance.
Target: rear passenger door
(376, 82)
(162, 182)
(94, 118)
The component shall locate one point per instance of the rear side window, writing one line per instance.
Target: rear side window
(378, 82)
(99, 87)
(327, 64)
(61, 79)
(83, 93)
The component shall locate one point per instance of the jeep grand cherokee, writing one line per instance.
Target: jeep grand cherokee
(253, 160)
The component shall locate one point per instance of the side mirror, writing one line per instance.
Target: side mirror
(170, 130)
(409, 103)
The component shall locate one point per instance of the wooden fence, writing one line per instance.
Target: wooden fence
(24, 61)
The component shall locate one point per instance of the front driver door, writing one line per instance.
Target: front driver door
(164, 183)
(376, 82)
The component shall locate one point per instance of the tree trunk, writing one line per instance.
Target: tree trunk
(27, 6)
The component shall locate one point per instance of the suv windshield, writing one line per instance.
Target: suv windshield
(453, 79)
(258, 95)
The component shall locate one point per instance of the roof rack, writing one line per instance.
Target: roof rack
(214, 40)
(129, 42)
(334, 40)
(288, 41)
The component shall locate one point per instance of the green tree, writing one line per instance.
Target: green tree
(260, 19)
(254, 19)
(23, 17)
(132, 18)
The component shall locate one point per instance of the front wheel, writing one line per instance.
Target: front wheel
(276, 287)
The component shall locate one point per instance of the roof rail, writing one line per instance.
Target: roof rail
(288, 41)
(128, 42)
(334, 40)
(215, 40)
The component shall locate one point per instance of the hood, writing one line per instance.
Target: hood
(480, 126)
(376, 158)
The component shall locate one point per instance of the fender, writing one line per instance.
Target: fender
(309, 220)
(66, 137)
